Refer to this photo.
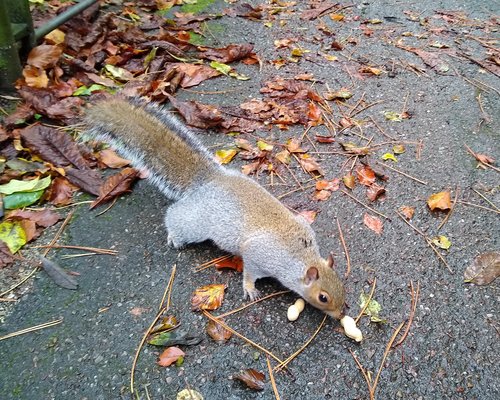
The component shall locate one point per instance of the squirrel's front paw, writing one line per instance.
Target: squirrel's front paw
(251, 293)
(172, 242)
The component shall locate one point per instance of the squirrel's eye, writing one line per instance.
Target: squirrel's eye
(323, 298)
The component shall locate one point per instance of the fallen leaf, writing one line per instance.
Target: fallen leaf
(349, 181)
(21, 199)
(407, 211)
(366, 175)
(167, 323)
(224, 156)
(111, 159)
(44, 56)
(264, 146)
(484, 270)
(374, 191)
(234, 262)
(310, 164)
(230, 53)
(354, 149)
(58, 275)
(194, 74)
(13, 235)
(484, 158)
(342, 94)
(35, 77)
(389, 156)
(372, 310)
(374, 223)
(431, 59)
(44, 218)
(116, 185)
(198, 115)
(189, 394)
(252, 378)
(60, 193)
(309, 215)
(174, 339)
(324, 184)
(86, 179)
(393, 116)
(398, 149)
(217, 332)
(169, 356)
(441, 201)
(33, 185)
(371, 71)
(322, 195)
(6, 256)
(208, 297)
(442, 242)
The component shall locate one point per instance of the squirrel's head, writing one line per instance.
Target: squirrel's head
(323, 288)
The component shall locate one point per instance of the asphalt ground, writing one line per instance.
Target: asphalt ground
(452, 348)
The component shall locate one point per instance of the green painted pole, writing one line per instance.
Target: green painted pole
(10, 65)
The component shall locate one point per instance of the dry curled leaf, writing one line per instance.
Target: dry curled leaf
(116, 185)
(441, 201)
(208, 297)
(252, 378)
(407, 211)
(324, 184)
(234, 262)
(484, 270)
(374, 191)
(374, 223)
(322, 195)
(169, 356)
(217, 332)
(366, 175)
(309, 215)
(111, 159)
(349, 181)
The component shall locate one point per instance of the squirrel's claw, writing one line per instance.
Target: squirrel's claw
(251, 293)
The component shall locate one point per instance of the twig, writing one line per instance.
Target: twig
(289, 359)
(67, 246)
(413, 307)
(143, 340)
(367, 303)
(364, 205)
(32, 329)
(381, 130)
(365, 108)
(225, 326)
(363, 371)
(208, 264)
(251, 304)
(457, 191)
(294, 190)
(107, 208)
(487, 200)
(168, 289)
(271, 378)
(346, 252)
(386, 353)
(482, 162)
(429, 243)
(401, 172)
(478, 206)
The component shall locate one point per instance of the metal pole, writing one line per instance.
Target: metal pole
(10, 65)
(62, 18)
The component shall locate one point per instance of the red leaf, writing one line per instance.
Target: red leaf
(374, 223)
(169, 356)
(234, 262)
(252, 378)
(366, 176)
(233, 52)
(374, 191)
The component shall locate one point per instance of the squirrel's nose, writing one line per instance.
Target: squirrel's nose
(337, 314)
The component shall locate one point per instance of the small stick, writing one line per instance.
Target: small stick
(108, 207)
(271, 378)
(208, 264)
(478, 206)
(168, 289)
(363, 371)
(480, 161)
(367, 301)
(487, 200)
(346, 252)
(401, 172)
(293, 175)
(414, 301)
(429, 243)
(381, 130)
(213, 318)
(251, 304)
(457, 191)
(419, 150)
(366, 107)
(32, 329)
(143, 340)
(67, 246)
(294, 190)
(364, 205)
(289, 359)
(386, 353)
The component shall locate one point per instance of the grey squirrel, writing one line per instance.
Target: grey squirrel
(217, 203)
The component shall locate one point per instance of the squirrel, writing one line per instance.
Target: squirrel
(215, 203)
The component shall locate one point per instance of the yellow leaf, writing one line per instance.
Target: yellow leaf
(208, 297)
(336, 17)
(264, 146)
(442, 242)
(389, 156)
(224, 156)
(441, 201)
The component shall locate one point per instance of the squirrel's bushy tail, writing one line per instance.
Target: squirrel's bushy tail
(152, 138)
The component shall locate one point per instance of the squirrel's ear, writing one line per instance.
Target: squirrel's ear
(312, 274)
(329, 261)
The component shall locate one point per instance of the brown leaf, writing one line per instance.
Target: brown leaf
(349, 180)
(197, 114)
(116, 185)
(314, 13)
(44, 56)
(309, 215)
(324, 184)
(169, 356)
(374, 191)
(408, 212)
(111, 159)
(234, 262)
(374, 223)
(310, 164)
(29, 228)
(324, 139)
(484, 270)
(314, 115)
(35, 77)
(366, 175)
(441, 201)
(86, 179)
(6, 256)
(60, 276)
(208, 297)
(230, 53)
(194, 74)
(217, 332)
(484, 158)
(60, 192)
(53, 145)
(322, 195)
(44, 218)
(252, 378)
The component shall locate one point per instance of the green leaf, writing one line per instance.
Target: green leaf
(151, 56)
(12, 233)
(34, 185)
(442, 242)
(118, 73)
(221, 67)
(21, 199)
(264, 146)
(373, 308)
(87, 91)
(389, 156)
(393, 116)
